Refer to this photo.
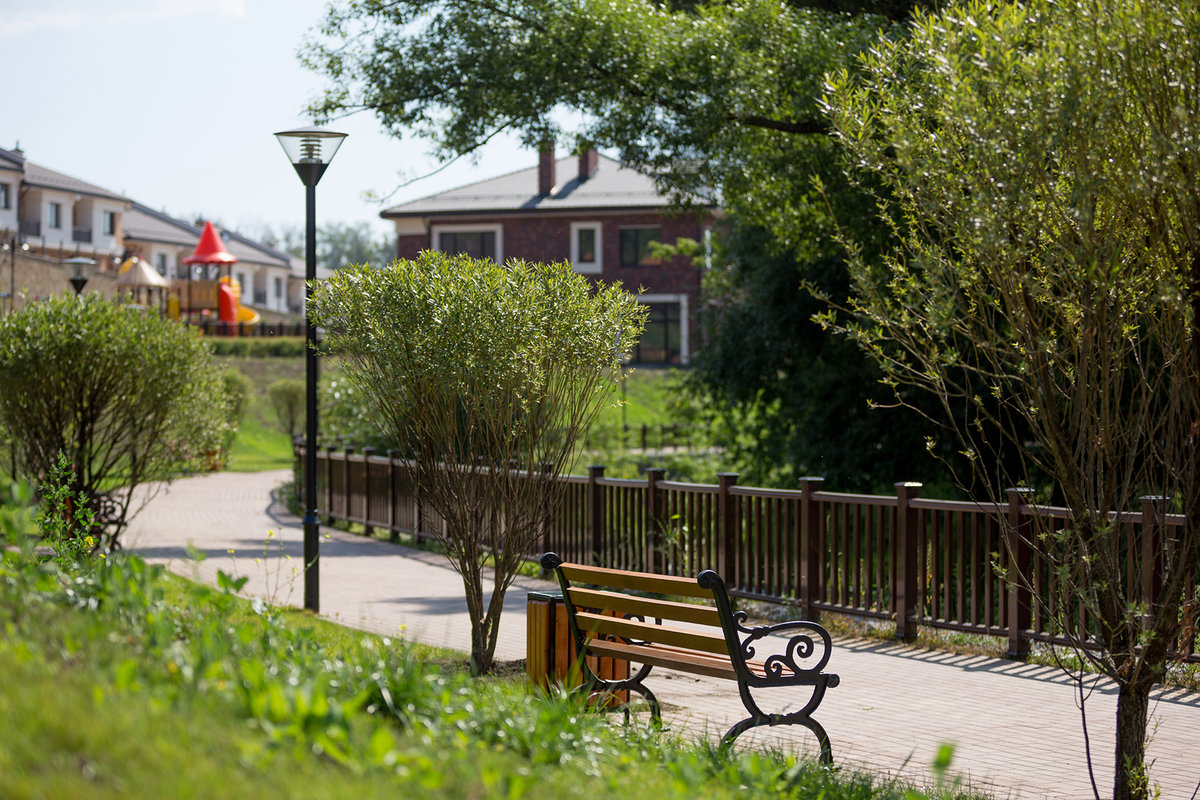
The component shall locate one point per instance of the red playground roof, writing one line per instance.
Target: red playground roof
(210, 250)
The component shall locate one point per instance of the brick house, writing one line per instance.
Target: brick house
(588, 210)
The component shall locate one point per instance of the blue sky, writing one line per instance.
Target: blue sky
(174, 103)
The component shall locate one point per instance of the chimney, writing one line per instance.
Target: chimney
(546, 177)
(589, 159)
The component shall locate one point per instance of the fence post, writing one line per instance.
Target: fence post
(596, 507)
(727, 533)
(1153, 528)
(419, 517)
(908, 561)
(329, 484)
(811, 556)
(1019, 560)
(393, 528)
(367, 526)
(653, 523)
(346, 492)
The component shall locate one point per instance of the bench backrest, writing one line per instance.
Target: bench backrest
(601, 611)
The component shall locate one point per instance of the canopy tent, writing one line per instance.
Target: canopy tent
(136, 273)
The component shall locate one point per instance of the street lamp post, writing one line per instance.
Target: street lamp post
(81, 269)
(310, 150)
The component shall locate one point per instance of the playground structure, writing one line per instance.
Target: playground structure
(210, 299)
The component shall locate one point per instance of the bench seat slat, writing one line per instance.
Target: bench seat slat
(644, 606)
(591, 624)
(634, 581)
(668, 658)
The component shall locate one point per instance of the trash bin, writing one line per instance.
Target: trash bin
(550, 651)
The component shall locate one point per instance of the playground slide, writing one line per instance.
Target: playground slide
(247, 315)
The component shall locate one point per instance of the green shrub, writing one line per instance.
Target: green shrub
(129, 397)
(258, 346)
(237, 388)
(287, 399)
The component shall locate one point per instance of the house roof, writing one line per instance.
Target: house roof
(43, 178)
(13, 160)
(611, 185)
(143, 223)
(147, 225)
(249, 250)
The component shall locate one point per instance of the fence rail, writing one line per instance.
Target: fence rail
(218, 328)
(902, 558)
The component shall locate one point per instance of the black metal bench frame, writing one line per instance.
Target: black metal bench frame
(730, 655)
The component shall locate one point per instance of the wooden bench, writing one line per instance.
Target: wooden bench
(606, 620)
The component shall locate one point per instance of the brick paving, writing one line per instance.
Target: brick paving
(1016, 727)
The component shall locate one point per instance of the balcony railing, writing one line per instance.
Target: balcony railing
(83, 235)
(31, 227)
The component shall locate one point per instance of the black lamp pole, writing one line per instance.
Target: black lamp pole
(310, 150)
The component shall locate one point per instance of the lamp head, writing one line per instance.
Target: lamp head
(310, 150)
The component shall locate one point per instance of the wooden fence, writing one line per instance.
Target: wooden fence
(900, 558)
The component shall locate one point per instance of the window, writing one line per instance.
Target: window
(660, 342)
(160, 263)
(278, 287)
(108, 223)
(475, 241)
(5, 197)
(586, 247)
(54, 215)
(635, 247)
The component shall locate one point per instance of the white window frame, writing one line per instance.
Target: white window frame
(5, 196)
(108, 223)
(436, 231)
(587, 267)
(54, 215)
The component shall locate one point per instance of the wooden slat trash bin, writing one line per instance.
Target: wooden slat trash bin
(550, 649)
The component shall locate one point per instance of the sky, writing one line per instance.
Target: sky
(174, 103)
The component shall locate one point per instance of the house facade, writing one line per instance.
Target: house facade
(56, 215)
(587, 210)
(53, 216)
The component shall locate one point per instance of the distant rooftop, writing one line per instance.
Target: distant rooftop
(143, 223)
(611, 185)
(37, 175)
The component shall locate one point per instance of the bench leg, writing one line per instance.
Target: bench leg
(801, 717)
(596, 685)
(781, 719)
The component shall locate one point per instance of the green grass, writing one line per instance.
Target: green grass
(136, 684)
(649, 400)
(260, 443)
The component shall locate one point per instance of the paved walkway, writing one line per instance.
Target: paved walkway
(1016, 727)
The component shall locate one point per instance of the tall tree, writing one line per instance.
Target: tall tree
(340, 244)
(1040, 164)
(712, 99)
(486, 376)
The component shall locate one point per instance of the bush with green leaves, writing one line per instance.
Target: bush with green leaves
(487, 377)
(287, 401)
(258, 346)
(128, 397)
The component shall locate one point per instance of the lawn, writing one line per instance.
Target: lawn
(137, 684)
(261, 444)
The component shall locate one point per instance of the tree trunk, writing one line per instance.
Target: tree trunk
(1133, 705)
(481, 653)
